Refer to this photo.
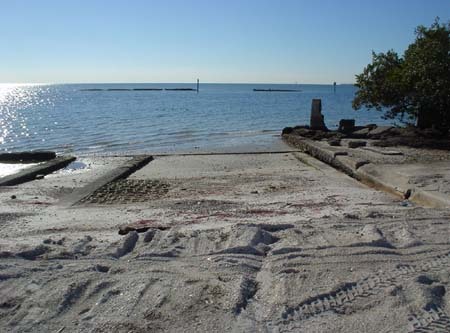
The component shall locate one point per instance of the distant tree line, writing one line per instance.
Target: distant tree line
(414, 87)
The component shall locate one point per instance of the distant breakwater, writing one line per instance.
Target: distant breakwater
(276, 90)
(180, 89)
(139, 89)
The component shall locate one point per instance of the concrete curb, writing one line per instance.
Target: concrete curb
(329, 157)
(41, 169)
(430, 199)
(377, 183)
(120, 172)
(354, 168)
(28, 156)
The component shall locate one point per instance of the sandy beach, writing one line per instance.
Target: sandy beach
(249, 242)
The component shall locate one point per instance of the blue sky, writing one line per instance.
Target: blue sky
(284, 41)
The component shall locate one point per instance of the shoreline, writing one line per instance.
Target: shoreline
(247, 141)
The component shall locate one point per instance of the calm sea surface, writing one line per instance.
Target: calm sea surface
(69, 119)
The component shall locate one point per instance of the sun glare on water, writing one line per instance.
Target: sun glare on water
(13, 99)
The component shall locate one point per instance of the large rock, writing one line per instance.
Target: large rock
(356, 144)
(379, 131)
(141, 226)
(361, 133)
(334, 142)
(346, 125)
(287, 130)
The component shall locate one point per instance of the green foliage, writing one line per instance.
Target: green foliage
(415, 86)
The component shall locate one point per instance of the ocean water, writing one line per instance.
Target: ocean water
(68, 118)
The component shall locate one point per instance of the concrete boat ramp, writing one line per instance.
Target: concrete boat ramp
(252, 242)
(421, 176)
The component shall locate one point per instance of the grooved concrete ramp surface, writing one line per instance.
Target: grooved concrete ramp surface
(226, 243)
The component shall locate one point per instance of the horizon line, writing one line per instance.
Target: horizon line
(183, 82)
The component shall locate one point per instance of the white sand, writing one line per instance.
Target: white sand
(257, 243)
